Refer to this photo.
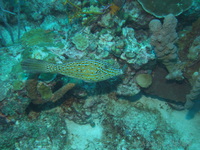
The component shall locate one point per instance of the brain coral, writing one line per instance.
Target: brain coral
(160, 8)
(144, 80)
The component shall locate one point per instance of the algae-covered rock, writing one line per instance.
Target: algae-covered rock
(18, 85)
(194, 50)
(49, 129)
(40, 37)
(80, 41)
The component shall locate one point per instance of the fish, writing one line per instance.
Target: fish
(87, 70)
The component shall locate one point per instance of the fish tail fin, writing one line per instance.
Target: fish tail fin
(36, 66)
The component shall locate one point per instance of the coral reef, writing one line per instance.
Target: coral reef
(59, 93)
(43, 132)
(39, 37)
(4, 90)
(144, 80)
(106, 21)
(163, 38)
(105, 44)
(138, 109)
(136, 18)
(194, 93)
(162, 9)
(188, 37)
(128, 87)
(171, 91)
(80, 41)
(194, 49)
(135, 53)
(41, 93)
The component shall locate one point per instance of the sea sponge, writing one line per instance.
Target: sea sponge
(80, 41)
(144, 80)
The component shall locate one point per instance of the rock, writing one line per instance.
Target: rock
(167, 89)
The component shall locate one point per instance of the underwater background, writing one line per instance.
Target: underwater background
(99, 75)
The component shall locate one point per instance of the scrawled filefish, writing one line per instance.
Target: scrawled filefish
(87, 70)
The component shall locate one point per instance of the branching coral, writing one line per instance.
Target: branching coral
(59, 93)
(41, 93)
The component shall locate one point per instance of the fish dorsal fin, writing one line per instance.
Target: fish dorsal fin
(75, 60)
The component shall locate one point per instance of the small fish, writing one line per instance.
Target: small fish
(87, 70)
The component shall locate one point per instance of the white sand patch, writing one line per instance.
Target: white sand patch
(189, 130)
(83, 137)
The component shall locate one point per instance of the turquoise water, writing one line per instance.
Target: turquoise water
(151, 103)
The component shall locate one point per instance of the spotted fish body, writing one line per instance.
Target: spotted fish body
(87, 70)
